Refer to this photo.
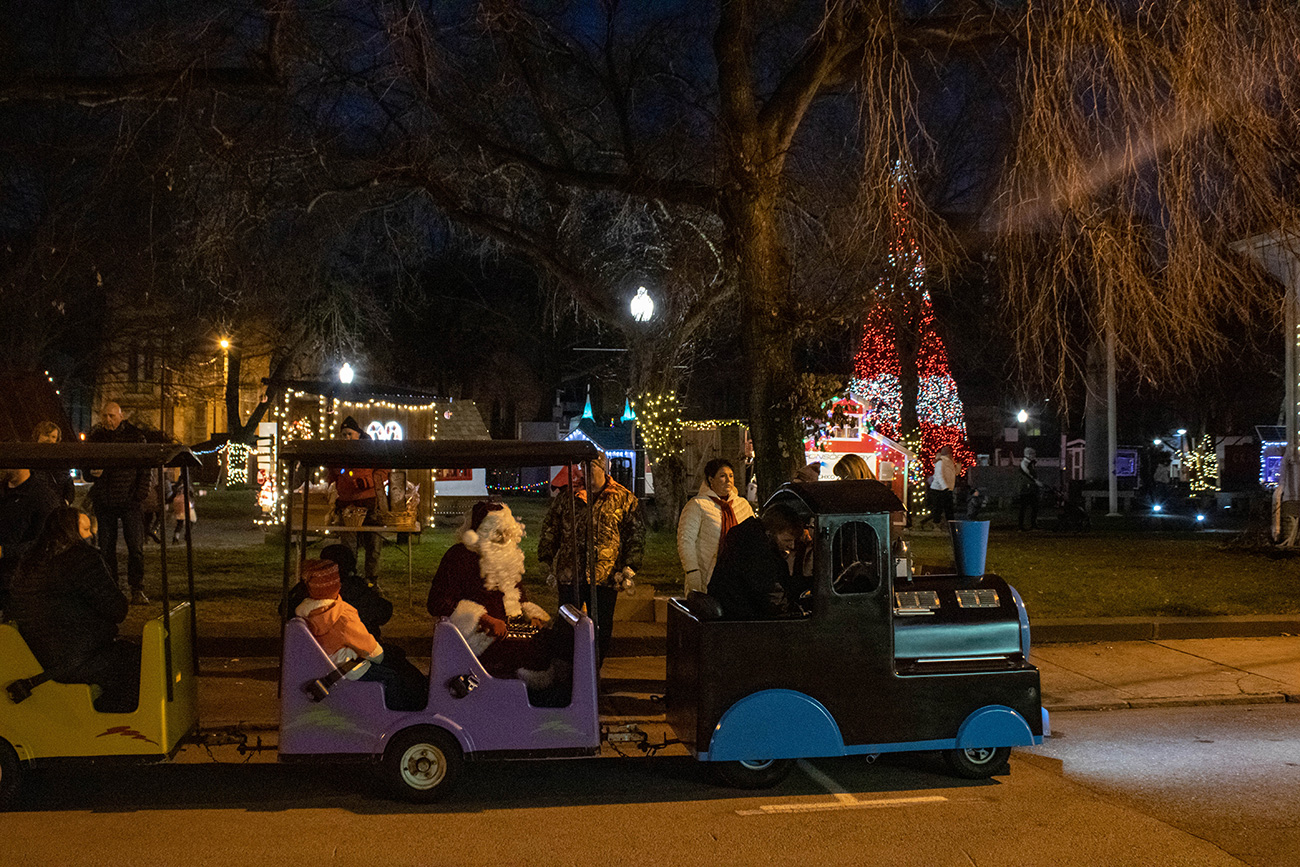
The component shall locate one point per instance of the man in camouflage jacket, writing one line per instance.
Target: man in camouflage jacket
(619, 543)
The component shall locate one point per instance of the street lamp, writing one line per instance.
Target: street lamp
(643, 306)
(1022, 416)
(346, 374)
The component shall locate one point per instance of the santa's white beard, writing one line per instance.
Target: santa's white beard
(502, 566)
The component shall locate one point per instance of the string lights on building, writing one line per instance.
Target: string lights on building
(236, 455)
(877, 367)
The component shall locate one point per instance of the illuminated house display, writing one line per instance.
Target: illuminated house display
(617, 441)
(312, 410)
(851, 432)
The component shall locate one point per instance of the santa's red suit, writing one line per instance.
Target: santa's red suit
(479, 584)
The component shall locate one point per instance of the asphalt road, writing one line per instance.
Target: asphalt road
(1185, 786)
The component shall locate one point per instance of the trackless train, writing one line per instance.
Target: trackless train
(879, 660)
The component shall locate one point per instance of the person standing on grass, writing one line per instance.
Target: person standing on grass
(940, 497)
(118, 496)
(60, 480)
(706, 519)
(359, 488)
(1029, 485)
(618, 544)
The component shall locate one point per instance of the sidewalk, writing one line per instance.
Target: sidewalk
(1086, 676)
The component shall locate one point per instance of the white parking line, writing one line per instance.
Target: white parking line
(841, 794)
(843, 800)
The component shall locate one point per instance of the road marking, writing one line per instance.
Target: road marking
(841, 794)
(773, 809)
(843, 800)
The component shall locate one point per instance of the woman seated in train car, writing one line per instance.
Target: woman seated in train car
(338, 629)
(68, 607)
(755, 578)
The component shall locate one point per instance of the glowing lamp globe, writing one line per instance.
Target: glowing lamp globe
(346, 373)
(643, 306)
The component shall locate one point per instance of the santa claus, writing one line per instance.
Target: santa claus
(479, 588)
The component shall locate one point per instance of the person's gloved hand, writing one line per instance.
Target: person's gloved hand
(492, 626)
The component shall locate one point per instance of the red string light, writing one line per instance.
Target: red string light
(876, 367)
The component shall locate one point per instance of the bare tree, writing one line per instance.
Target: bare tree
(1150, 140)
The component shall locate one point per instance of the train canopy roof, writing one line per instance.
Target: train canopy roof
(849, 497)
(95, 456)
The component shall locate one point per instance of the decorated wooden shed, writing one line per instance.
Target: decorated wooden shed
(316, 410)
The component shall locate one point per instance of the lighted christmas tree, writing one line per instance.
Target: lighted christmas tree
(877, 367)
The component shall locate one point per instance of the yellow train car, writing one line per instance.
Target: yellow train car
(42, 721)
(58, 720)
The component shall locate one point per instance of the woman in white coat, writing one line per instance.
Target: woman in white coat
(705, 521)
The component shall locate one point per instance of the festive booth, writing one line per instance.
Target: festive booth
(310, 410)
(850, 432)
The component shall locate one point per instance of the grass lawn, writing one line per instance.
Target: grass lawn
(1105, 573)
(1115, 574)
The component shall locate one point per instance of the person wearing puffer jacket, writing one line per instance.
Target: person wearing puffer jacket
(704, 522)
(338, 629)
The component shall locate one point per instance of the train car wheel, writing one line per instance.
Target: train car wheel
(979, 763)
(11, 771)
(422, 764)
(755, 774)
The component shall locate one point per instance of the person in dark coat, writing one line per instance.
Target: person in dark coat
(68, 607)
(60, 480)
(118, 496)
(752, 580)
(360, 488)
(26, 500)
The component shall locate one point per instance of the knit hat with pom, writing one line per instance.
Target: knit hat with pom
(321, 578)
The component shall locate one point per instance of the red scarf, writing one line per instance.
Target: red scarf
(728, 520)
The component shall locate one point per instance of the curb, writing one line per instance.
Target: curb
(1174, 701)
(1085, 630)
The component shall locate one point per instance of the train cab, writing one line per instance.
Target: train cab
(876, 660)
(470, 715)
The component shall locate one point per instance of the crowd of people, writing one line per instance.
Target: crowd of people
(60, 579)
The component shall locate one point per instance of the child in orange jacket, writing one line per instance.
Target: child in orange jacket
(338, 629)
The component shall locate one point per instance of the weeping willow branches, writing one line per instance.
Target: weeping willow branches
(1150, 141)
